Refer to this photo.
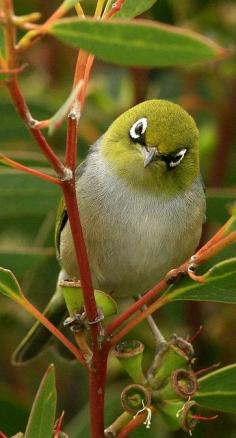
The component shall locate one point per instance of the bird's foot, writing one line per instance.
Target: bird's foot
(76, 322)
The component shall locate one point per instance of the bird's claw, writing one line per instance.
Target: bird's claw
(76, 322)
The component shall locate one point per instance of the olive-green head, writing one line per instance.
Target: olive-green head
(153, 147)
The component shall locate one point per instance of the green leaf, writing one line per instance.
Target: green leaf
(217, 390)
(42, 416)
(21, 259)
(132, 8)
(9, 285)
(219, 202)
(136, 43)
(219, 285)
(18, 193)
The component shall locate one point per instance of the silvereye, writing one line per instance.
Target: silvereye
(142, 206)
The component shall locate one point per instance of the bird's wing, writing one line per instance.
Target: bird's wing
(62, 216)
(39, 337)
(61, 220)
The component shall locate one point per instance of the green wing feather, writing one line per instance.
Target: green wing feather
(39, 337)
(61, 219)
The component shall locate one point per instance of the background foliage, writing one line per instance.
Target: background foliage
(28, 205)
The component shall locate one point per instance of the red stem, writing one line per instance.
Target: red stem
(116, 323)
(44, 321)
(81, 254)
(23, 110)
(58, 427)
(97, 382)
(115, 8)
(132, 425)
(14, 164)
(139, 318)
(71, 141)
(88, 67)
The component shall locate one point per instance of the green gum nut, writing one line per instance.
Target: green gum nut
(73, 295)
(130, 355)
(135, 398)
(181, 384)
(179, 415)
(113, 430)
(175, 354)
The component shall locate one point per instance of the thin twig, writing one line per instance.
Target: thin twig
(46, 323)
(116, 323)
(134, 424)
(15, 165)
(23, 110)
(72, 135)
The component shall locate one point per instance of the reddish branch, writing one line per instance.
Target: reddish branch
(133, 424)
(23, 111)
(16, 165)
(97, 373)
(46, 323)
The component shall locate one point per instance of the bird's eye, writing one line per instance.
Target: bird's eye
(177, 158)
(138, 129)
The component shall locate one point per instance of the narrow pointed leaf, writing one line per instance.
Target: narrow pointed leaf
(137, 43)
(217, 390)
(42, 417)
(9, 285)
(219, 285)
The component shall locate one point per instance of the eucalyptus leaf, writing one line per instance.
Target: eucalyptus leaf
(217, 390)
(136, 43)
(42, 417)
(132, 8)
(25, 195)
(9, 285)
(219, 202)
(219, 285)
(23, 259)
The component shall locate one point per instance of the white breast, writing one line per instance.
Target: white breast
(132, 239)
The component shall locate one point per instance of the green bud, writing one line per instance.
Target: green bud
(177, 353)
(73, 295)
(181, 384)
(135, 398)
(130, 354)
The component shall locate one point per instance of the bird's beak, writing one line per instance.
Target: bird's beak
(150, 154)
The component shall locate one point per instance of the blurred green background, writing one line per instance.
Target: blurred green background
(28, 205)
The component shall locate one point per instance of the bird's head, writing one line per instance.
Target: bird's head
(153, 147)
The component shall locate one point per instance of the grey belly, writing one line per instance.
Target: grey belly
(133, 241)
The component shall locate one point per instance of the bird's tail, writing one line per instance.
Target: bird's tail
(39, 337)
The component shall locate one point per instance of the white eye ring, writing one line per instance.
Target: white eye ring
(138, 128)
(179, 156)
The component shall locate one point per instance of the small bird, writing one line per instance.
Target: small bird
(142, 206)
